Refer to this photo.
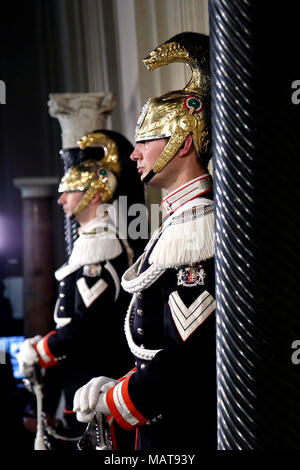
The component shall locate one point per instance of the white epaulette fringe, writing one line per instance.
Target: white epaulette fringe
(92, 249)
(187, 239)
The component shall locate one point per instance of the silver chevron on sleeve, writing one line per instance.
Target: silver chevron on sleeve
(187, 319)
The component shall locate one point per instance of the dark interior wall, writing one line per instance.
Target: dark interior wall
(29, 137)
(42, 50)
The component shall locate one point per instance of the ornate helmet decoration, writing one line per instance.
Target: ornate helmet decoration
(178, 113)
(94, 173)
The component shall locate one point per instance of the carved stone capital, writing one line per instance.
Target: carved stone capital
(36, 187)
(80, 113)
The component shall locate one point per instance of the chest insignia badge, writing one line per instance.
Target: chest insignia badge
(191, 276)
(92, 270)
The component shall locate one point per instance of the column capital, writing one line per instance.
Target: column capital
(80, 113)
(36, 187)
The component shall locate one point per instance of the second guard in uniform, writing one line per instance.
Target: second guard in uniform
(88, 317)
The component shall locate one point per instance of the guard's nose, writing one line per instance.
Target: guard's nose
(136, 154)
(61, 199)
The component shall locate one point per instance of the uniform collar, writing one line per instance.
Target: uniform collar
(190, 190)
(95, 225)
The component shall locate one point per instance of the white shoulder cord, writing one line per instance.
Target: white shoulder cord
(143, 281)
(141, 353)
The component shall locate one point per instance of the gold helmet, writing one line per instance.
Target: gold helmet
(94, 173)
(178, 113)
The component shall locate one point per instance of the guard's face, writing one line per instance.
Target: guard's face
(146, 153)
(69, 201)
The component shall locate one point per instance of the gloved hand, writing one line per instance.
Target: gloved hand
(91, 398)
(28, 356)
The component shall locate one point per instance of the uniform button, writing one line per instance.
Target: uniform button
(140, 331)
(62, 283)
(135, 363)
(140, 312)
(61, 307)
(143, 366)
(139, 295)
(62, 295)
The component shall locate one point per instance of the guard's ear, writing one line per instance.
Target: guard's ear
(96, 198)
(186, 146)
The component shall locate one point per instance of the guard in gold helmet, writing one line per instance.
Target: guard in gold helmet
(88, 312)
(170, 397)
(177, 114)
(93, 176)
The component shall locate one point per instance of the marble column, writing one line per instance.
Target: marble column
(80, 113)
(38, 254)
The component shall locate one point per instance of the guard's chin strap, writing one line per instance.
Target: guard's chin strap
(148, 177)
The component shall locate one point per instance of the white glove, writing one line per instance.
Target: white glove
(28, 356)
(91, 398)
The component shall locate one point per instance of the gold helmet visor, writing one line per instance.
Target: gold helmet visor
(174, 115)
